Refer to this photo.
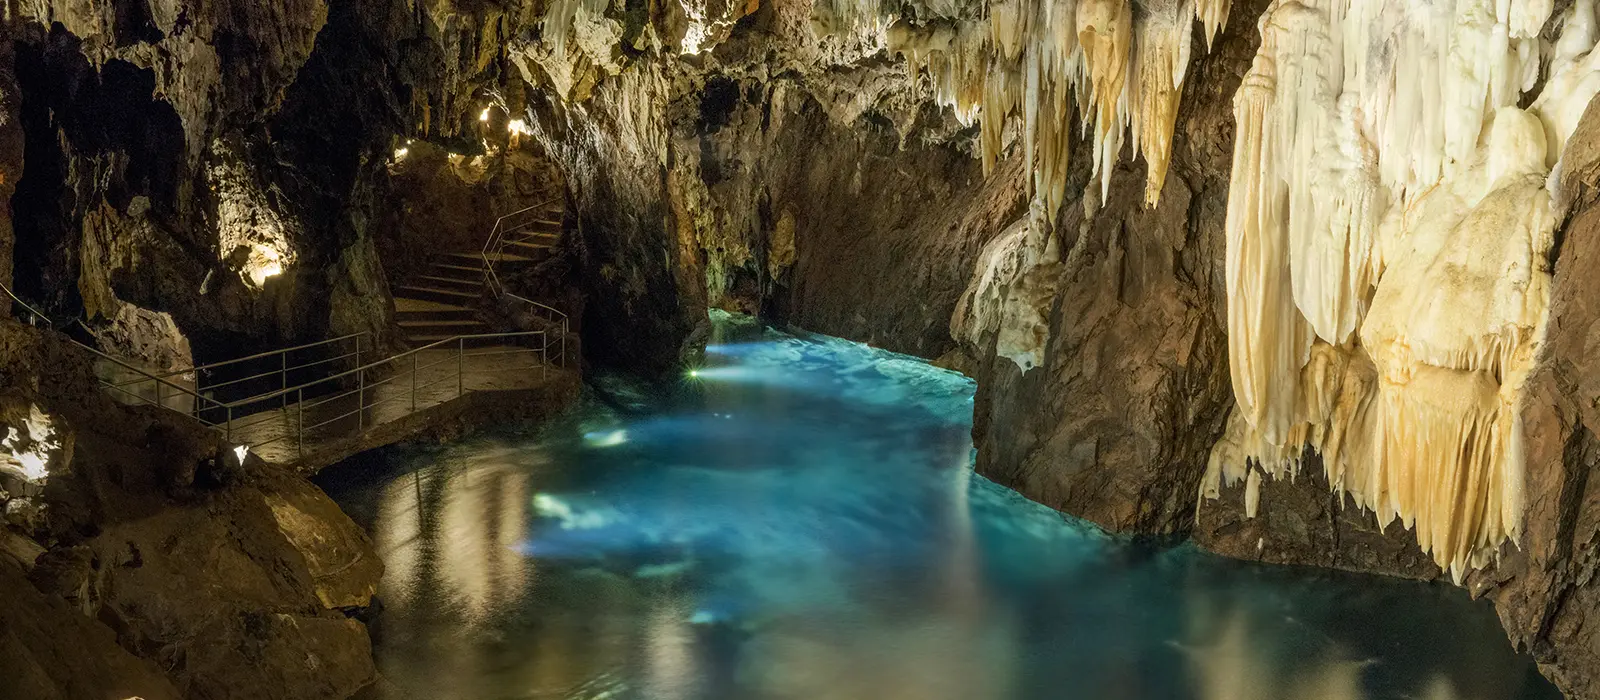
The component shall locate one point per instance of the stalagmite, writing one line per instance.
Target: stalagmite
(1388, 230)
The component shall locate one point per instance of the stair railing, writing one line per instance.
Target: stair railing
(35, 317)
(513, 228)
(504, 233)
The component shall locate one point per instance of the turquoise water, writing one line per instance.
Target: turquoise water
(800, 520)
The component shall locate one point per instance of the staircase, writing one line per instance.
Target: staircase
(442, 302)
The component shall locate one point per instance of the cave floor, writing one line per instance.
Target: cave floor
(392, 409)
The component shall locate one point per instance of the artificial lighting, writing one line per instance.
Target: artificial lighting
(400, 153)
(30, 457)
(485, 116)
(240, 452)
(519, 127)
(264, 262)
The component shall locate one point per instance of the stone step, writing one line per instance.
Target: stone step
(456, 270)
(551, 239)
(549, 225)
(457, 297)
(414, 329)
(424, 310)
(531, 249)
(444, 282)
(422, 339)
(504, 260)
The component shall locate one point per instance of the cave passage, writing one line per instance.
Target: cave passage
(799, 518)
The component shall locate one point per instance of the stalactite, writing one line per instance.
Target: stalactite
(1388, 231)
(1213, 15)
(1160, 63)
(1040, 60)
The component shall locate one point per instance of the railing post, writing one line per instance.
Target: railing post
(300, 421)
(361, 400)
(283, 378)
(228, 431)
(461, 346)
(414, 381)
(159, 402)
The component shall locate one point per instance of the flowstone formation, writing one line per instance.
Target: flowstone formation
(1388, 270)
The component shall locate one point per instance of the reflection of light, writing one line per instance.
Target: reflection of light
(740, 374)
(397, 533)
(519, 127)
(670, 654)
(400, 153)
(553, 507)
(738, 349)
(608, 439)
(240, 452)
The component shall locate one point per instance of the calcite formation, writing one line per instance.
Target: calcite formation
(1389, 228)
(1119, 65)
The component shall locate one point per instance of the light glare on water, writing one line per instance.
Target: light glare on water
(799, 519)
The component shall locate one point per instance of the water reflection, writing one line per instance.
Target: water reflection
(800, 521)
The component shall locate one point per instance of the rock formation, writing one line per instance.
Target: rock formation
(1304, 280)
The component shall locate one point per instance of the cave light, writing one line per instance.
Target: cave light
(240, 451)
(519, 127)
(28, 453)
(264, 262)
(485, 115)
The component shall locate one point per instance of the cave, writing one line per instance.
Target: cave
(768, 349)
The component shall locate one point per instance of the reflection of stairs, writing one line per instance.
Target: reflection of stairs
(442, 302)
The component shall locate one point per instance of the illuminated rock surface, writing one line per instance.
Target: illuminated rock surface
(1304, 280)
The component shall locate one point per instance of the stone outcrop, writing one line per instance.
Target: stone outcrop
(147, 560)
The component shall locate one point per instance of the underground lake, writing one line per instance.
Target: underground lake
(799, 518)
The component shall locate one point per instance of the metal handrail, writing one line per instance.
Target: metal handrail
(283, 351)
(372, 365)
(558, 317)
(271, 353)
(496, 246)
(365, 389)
(160, 381)
(496, 243)
(36, 317)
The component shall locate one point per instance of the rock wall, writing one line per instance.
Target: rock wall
(1132, 389)
(642, 271)
(808, 220)
(180, 571)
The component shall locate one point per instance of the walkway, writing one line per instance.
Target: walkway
(319, 420)
(301, 407)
